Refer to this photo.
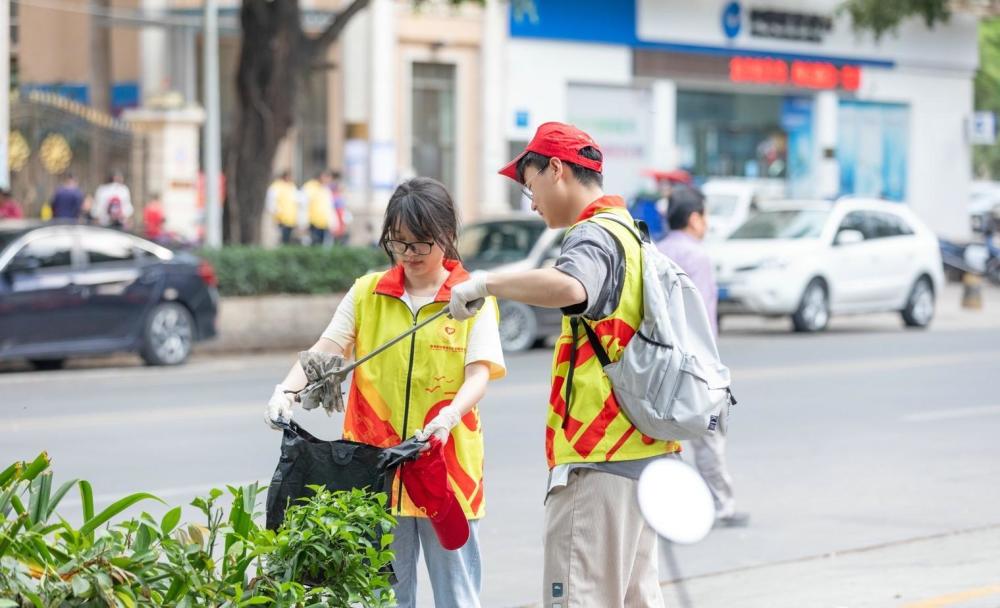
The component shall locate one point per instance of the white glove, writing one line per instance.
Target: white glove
(441, 425)
(279, 407)
(468, 297)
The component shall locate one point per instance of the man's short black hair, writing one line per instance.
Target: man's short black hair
(587, 177)
(684, 201)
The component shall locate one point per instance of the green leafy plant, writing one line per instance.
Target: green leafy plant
(249, 271)
(336, 542)
(332, 550)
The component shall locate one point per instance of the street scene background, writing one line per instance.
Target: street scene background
(847, 159)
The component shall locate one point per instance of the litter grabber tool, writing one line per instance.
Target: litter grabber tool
(325, 372)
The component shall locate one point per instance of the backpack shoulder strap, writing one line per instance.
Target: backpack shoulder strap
(639, 229)
(599, 352)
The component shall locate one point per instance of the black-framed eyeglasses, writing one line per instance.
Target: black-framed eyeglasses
(526, 188)
(417, 247)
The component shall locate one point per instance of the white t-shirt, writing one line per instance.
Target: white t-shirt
(484, 338)
(111, 195)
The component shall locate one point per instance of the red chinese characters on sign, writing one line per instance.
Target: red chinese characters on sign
(805, 74)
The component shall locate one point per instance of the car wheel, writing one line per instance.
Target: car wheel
(168, 335)
(518, 326)
(920, 304)
(813, 313)
(48, 364)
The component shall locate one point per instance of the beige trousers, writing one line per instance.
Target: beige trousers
(599, 551)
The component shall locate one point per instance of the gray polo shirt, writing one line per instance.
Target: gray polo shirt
(594, 257)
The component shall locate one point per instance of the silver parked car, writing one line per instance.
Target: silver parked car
(515, 243)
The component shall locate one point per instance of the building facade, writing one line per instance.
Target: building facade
(758, 89)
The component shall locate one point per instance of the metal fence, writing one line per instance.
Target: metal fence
(52, 135)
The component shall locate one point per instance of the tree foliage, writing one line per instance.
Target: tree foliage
(881, 16)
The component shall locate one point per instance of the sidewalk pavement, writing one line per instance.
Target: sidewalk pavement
(955, 570)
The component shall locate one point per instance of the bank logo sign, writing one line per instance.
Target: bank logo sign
(776, 24)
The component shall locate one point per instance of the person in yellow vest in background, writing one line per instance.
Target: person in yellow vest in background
(319, 205)
(283, 203)
(599, 550)
(429, 383)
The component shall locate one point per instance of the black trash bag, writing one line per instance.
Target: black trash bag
(338, 465)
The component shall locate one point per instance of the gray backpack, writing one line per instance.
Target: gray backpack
(669, 381)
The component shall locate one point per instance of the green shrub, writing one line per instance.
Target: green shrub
(250, 271)
(331, 551)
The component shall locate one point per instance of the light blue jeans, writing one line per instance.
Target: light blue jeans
(456, 576)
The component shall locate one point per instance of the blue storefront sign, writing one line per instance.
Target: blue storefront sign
(872, 144)
(797, 122)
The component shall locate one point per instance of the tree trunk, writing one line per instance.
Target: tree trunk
(273, 50)
(100, 86)
(274, 56)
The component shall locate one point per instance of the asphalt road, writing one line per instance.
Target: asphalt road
(862, 436)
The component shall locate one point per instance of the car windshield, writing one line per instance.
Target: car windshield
(783, 224)
(495, 243)
(6, 238)
(721, 205)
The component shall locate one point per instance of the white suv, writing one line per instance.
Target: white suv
(814, 259)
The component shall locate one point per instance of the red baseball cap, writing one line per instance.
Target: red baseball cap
(558, 140)
(426, 481)
(674, 176)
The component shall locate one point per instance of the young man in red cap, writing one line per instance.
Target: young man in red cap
(599, 551)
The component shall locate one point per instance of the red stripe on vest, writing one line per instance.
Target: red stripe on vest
(364, 424)
(477, 500)
(598, 427)
(550, 437)
(615, 328)
(462, 479)
(618, 444)
(572, 428)
(556, 397)
(471, 420)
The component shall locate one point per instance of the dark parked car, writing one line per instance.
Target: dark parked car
(70, 290)
(513, 244)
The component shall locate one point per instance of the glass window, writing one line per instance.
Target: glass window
(886, 225)
(724, 134)
(495, 243)
(433, 129)
(6, 238)
(54, 251)
(108, 248)
(783, 224)
(721, 205)
(860, 221)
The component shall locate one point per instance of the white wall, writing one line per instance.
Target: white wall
(952, 44)
(939, 171)
(539, 72)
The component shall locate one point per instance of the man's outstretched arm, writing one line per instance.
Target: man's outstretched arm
(546, 287)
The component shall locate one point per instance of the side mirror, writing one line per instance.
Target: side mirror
(848, 237)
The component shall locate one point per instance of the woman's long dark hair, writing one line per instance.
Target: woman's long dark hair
(424, 206)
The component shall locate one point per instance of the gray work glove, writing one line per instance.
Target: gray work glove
(323, 381)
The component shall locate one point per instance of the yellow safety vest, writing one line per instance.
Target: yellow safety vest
(286, 203)
(320, 201)
(596, 430)
(406, 386)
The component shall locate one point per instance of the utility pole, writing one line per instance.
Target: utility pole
(212, 137)
(4, 93)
